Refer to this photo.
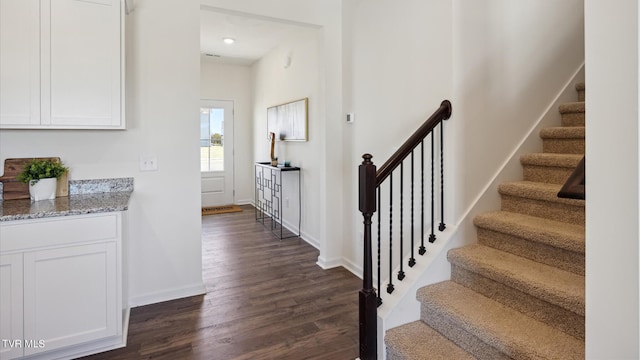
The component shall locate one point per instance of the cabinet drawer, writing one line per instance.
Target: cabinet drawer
(27, 234)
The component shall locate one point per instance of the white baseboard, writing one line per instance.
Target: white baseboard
(325, 263)
(354, 268)
(245, 202)
(166, 295)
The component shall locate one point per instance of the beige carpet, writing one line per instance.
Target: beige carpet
(213, 210)
(519, 293)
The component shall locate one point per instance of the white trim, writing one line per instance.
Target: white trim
(245, 202)
(354, 268)
(169, 294)
(310, 240)
(326, 264)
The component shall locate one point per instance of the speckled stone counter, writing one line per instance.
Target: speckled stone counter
(85, 197)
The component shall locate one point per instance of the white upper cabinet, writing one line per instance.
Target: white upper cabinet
(20, 62)
(63, 67)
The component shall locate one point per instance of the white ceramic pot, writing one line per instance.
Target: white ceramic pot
(44, 189)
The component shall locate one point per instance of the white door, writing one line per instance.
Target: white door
(216, 152)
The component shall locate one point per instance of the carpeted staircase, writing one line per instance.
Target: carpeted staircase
(519, 292)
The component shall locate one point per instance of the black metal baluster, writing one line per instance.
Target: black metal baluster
(390, 286)
(401, 272)
(432, 236)
(442, 224)
(379, 265)
(412, 260)
(422, 249)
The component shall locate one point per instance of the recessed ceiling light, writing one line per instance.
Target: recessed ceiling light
(228, 41)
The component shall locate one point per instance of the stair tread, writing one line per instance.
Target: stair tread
(536, 190)
(572, 107)
(553, 285)
(551, 232)
(551, 159)
(580, 86)
(511, 332)
(563, 132)
(415, 339)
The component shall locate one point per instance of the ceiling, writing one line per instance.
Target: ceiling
(254, 35)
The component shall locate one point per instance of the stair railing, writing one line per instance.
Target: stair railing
(370, 194)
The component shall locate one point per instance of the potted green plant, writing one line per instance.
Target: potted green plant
(42, 176)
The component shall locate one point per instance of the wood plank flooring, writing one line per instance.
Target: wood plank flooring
(266, 299)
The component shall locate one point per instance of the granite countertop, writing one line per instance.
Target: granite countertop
(85, 197)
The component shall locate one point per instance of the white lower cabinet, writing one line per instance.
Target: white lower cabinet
(10, 305)
(61, 286)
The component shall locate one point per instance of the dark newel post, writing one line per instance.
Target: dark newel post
(368, 300)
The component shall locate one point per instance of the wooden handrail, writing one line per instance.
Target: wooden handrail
(369, 196)
(574, 187)
(442, 113)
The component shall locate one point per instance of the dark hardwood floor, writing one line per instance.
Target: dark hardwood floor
(266, 299)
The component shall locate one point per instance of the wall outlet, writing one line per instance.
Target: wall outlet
(148, 163)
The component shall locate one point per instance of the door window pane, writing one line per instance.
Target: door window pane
(211, 139)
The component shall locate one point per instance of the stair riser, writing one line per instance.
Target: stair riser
(543, 253)
(563, 146)
(573, 119)
(546, 174)
(464, 339)
(581, 95)
(544, 209)
(555, 316)
(415, 339)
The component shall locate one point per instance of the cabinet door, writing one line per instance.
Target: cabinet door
(19, 62)
(70, 296)
(11, 306)
(84, 61)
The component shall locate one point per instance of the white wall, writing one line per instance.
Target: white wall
(398, 72)
(612, 283)
(511, 58)
(162, 95)
(501, 63)
(234, 82)
(275, 84)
